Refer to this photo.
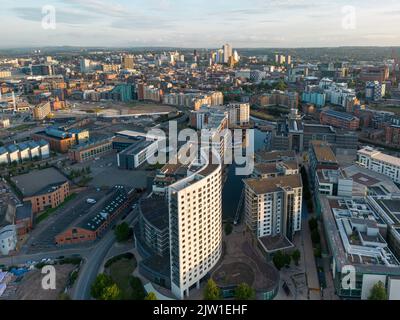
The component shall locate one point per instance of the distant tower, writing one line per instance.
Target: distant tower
(14, 103)
(395, 64)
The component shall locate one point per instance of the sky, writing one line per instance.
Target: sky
(201, 23)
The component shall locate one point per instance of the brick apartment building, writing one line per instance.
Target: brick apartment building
(43, 189)
(339, 120)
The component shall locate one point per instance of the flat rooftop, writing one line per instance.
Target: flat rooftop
(268, 185)
(36, 182)
(323, 152)
(380, 156)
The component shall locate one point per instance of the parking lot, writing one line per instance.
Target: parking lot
(42, 237)
(105, 173)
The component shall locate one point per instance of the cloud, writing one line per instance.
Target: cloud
(62, 15)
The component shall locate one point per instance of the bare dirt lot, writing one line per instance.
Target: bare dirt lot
(30, 287)
(114, 108)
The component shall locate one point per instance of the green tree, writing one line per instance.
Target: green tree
(150, 296)
(279, 260)
(313, 223)
(315, 237)
(111, 293)
(138, 292)
(244, 292)
(378, 292)
(122, 232)
(296, 257)
(228, 228)
(64, 296)
(211, 291)
(101, 282)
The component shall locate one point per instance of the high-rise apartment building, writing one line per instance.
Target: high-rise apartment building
(273, 206)
(228, 52)
(128, 62)
(239, 114)
(195, 223)
(374, 90)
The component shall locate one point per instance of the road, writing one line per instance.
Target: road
(94, 261)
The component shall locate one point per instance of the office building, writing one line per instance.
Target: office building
(90, 150)
(137, 154)
(357, 234)
(379, 162)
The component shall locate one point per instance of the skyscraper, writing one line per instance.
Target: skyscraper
(227, 48)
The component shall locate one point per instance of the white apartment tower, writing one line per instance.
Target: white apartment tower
(195, 221)
(228, 52)
(273, 205)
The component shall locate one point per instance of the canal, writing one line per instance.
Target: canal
(233, 186)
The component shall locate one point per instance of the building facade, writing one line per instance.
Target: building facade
(195, 225)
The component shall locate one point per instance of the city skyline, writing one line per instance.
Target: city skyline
(174, 23)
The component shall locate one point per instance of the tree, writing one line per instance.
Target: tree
(378, 292)
(279, 260)
(138, 292)
(228, 228)
(296, 257)
(313, 223)
(211, 291)
(244, 292)
(64, 296)
(315, 237)
(287, 258)
(150, 296)
(101, 282)
(122, 232)
(111, 293)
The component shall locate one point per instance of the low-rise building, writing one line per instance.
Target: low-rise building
(43, 188)
(90, 150)
(356, 235)
(377, 161)
(98, 220)
(137, 154)
(8, 239)
(339, 120)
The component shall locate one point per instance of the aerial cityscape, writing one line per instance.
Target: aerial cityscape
(172, 163)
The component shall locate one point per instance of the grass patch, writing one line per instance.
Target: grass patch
(22, 127)
(395, 109)
(121, 271)
(50, 211)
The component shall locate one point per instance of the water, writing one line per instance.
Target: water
(233, 187)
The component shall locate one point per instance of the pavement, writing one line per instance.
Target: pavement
(314, 292)
(94, 262)
(43, 235)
